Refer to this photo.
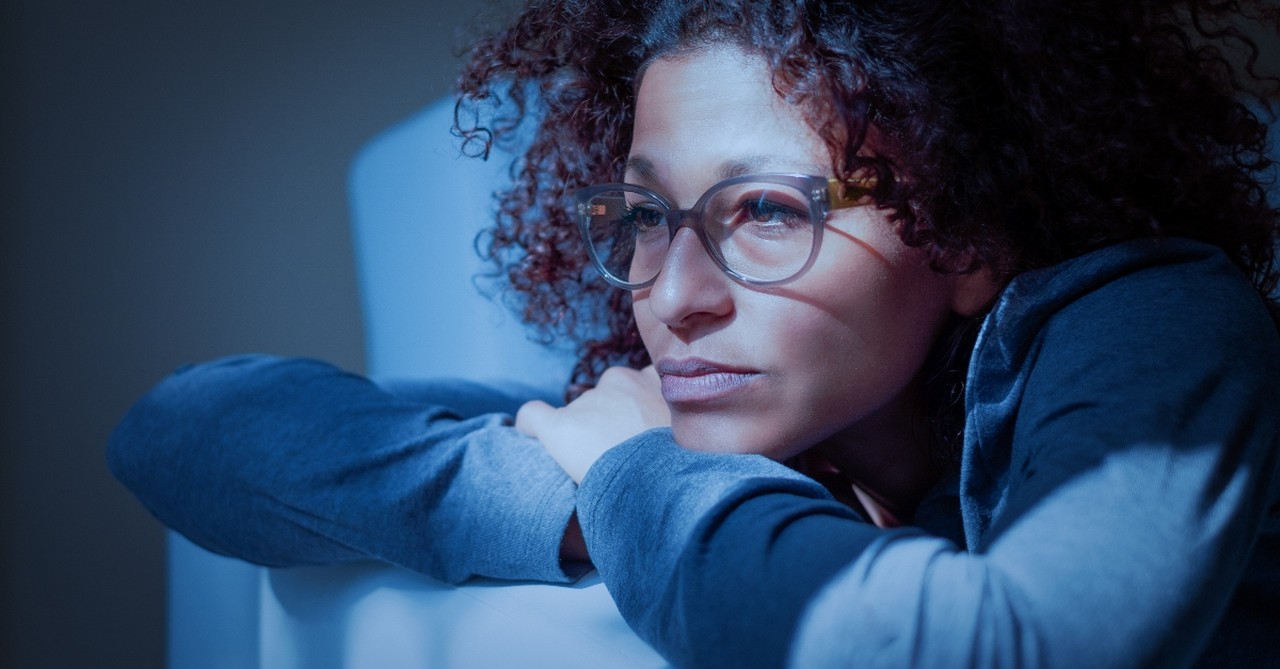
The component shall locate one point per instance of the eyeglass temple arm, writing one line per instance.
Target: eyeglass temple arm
(841, 195)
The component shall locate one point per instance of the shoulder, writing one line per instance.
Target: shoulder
(1150, 341)
(1171, 301)
(1159, 353)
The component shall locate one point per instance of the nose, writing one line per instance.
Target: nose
(690, 290)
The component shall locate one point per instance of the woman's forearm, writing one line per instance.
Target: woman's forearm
(286, 461)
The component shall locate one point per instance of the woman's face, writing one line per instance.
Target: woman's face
(774, 370)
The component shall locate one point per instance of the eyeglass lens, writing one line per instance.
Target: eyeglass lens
(761, 231)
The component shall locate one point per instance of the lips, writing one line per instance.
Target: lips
(697, 381)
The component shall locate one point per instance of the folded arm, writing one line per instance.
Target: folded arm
(1109, 515)
(290, 462)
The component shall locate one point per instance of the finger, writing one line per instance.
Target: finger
(532, 416)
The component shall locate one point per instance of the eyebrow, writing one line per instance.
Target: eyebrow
(642, 167)
(645, 170)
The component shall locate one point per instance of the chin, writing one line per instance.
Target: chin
(721, 434)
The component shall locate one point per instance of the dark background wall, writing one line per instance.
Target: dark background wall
(174, 190)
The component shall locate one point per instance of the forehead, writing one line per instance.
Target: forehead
(699, 111)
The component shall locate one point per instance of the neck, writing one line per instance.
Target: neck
(885, 457)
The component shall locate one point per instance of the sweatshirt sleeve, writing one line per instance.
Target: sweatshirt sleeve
(712, 558)
(294, 462)
(1114, 537)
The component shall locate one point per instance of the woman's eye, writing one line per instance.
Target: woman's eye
(642, 215)
(761, 211)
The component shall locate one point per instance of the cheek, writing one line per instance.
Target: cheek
(871, 311)
(850, 354)
(896, 303)
(646, 324)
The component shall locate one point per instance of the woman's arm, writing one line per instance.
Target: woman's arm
(1138, 463)
(288, 462)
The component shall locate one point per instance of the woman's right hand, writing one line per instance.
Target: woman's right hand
(623, 404)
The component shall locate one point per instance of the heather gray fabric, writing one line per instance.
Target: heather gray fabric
(291, 462)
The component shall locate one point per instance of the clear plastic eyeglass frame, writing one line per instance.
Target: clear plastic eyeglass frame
(822, 195)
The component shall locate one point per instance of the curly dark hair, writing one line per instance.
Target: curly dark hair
(1011, 134)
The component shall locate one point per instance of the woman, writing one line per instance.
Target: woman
(1112, 500)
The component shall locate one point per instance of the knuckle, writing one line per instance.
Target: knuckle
(527, 411)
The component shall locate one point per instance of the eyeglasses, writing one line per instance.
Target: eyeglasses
(760, 229)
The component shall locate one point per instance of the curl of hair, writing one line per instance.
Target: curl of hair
(1007, 134)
